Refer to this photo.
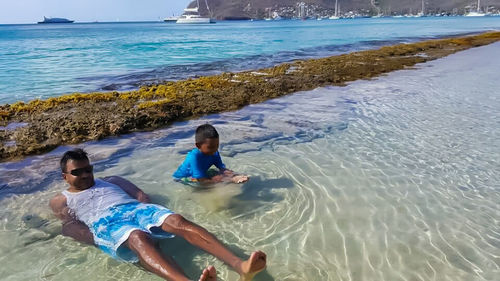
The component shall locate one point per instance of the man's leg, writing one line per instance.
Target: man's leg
(151, 258)
(203, 239)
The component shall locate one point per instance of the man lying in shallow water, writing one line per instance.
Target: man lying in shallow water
(115, 215)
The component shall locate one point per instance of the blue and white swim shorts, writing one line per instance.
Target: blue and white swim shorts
(114, 228)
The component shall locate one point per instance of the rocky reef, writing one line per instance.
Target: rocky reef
(41, 125)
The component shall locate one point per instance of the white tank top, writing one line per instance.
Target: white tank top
(91, 204)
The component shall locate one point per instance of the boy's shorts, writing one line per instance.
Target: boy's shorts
(112, 230)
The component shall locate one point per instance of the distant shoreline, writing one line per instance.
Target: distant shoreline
(41, 125)
(397, 17)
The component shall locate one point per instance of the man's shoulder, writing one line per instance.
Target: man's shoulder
(59, 196)
(110, 181)
(58, 201)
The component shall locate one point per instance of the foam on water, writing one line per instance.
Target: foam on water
(395, 178)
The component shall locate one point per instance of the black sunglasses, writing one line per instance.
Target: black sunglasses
(78, 172)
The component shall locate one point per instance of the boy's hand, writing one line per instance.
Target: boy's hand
(217, 178)
(239, 178)
(228, 173)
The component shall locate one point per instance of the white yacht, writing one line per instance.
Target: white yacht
(192, 15)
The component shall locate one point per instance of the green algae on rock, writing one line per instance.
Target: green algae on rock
(79, 117)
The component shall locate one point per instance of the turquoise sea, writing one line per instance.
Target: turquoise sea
(393, 178)
(39, 61)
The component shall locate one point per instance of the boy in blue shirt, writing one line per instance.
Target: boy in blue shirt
(199, 160)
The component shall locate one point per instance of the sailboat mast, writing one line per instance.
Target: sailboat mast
(478, 5)
(208, 8)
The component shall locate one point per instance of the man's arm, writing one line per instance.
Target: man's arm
(71, 226)
(130, 188)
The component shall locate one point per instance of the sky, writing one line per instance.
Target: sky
(31, 11)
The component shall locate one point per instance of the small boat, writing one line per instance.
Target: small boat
(171, 19)
(55, 20)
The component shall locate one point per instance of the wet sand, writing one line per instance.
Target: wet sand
(41, 125)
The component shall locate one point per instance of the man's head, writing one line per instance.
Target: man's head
(76, 169)
(207, 139)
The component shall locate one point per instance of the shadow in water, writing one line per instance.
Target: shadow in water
(257, 193)
(184, 254)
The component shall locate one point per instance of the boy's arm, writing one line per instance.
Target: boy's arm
(225, 177)
(226, 174)
(71, 226)
(200, 174)
(130, 188)
(218, 163)
(198, 170)
(212, 180)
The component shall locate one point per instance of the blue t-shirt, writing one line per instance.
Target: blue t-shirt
(197, 164)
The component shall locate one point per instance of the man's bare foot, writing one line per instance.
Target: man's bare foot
(255, 264)
(208, 274)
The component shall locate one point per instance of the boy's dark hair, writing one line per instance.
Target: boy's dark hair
(75, 154)
(205, 131)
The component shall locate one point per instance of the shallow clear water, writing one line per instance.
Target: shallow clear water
(40, 61)
(395, 178)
